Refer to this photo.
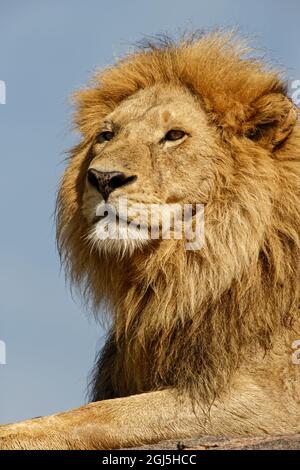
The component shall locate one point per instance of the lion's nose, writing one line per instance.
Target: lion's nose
(107, 181)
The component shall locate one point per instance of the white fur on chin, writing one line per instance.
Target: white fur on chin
(117, 238)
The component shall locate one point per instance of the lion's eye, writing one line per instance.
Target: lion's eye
(105, 135)
(174, 134)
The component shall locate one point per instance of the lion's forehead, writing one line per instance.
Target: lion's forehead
(156, 105)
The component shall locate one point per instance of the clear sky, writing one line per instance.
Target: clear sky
(49, 48)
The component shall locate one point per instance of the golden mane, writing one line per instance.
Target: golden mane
(180, 318)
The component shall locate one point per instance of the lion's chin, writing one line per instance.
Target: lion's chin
(118, 239)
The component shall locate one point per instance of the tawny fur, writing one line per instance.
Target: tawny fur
(212, 322)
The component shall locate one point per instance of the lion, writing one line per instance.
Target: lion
(201, 341)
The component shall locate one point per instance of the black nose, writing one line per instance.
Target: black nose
(107, 181)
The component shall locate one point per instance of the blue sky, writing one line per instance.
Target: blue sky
(49, 48)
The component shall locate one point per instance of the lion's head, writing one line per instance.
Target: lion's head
(156, 148)
(194, 122)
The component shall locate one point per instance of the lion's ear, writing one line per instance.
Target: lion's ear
(272, 120)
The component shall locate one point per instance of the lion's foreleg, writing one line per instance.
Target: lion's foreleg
(148, 418)
(121, 422)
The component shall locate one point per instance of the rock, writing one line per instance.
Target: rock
(285, 442)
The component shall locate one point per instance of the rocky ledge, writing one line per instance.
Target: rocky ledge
(286, 442)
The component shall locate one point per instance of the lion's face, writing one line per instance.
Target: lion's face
(155, 148)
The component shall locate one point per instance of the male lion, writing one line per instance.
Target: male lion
(201, 340)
